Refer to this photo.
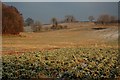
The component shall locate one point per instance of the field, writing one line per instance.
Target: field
(83, 51)
(70, 63)
(77, 34)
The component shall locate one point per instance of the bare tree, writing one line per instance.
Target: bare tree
(113, 19)
(69, 18)
(37, 26)
(29, 21)
(91, 18)
(54, 23)
(104, 19)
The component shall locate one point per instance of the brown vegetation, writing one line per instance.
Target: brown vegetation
(106, 19)
(56, 26)
(11, 15)
(37, 26)
(70, 18)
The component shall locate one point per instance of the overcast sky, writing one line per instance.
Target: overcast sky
(44, 11)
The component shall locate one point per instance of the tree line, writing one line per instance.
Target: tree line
(13, 23)
(37, 26)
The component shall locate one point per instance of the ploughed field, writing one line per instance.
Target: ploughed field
(83, 51)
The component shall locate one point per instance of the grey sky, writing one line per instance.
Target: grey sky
(44, 11)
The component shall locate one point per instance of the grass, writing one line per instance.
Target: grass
(74, 36)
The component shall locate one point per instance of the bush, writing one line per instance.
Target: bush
(58, 27)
